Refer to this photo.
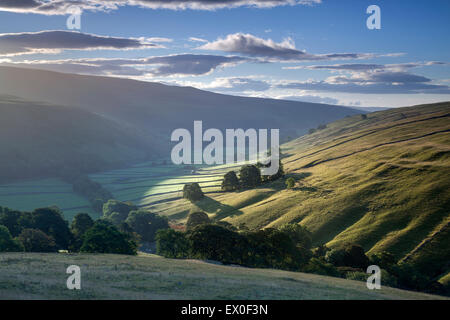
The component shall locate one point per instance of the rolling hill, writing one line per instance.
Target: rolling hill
(381, 181)
(111, 276)
(154, 110)
(41, 140)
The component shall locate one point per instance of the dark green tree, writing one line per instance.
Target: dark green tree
(298, 234)
(117, 211)
(192, 192)
(250, 176)
(146, 224)
(51, 222)
(80, 224)
(104, 237)
(7, 243)
(214, 242)
(197, 218)
(171, 244)
(230, 181)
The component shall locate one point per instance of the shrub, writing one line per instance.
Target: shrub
(290, 183)
(318, 266)
(34, 240)
(146, 224)
(197, 218)
(51, 222)
(230, 181)
(104, 237)
(171, 244)
(7, 243)
(250, 176)
(192, 192)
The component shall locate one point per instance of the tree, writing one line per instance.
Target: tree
(104, 237)
(250, 176)
(336, 257)
(34, 240)
(290, 183)
(15, 221)
(51, 222)
(298, 234)
(230, 181)
(197, 218)
(117, 211)
(352, 256)
(192, 192)
(146, 224)
(7, 243)
(355, 257)
(80, 224)
(171, 244)
(216, 243)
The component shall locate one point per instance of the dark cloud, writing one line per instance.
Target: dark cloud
(249, 45)
(55, 41)
(61, 7)
(181, 65)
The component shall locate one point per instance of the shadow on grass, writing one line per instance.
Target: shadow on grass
(221, 210)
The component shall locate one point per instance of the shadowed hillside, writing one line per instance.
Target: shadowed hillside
(381, 181)
(43, 140)
(155, 110)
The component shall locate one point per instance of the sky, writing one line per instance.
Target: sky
(304, 50)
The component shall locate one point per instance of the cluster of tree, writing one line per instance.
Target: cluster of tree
(249, 177)
(351, 262)
(286, 248)
(91, 190)
(45, 230)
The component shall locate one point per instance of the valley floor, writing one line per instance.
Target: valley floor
(43, 276)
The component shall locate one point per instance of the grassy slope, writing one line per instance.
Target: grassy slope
(42, 276)
(40, 140)
(381, 182)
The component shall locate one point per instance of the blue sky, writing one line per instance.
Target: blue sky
(317, 51)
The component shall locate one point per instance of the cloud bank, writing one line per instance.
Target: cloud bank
(61, 7)
(54, 41)
(285, 51)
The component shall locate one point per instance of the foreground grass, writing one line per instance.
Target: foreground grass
(43, 276)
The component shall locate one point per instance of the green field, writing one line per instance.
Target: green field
(29, 195)
(43, 276)
(380, 181)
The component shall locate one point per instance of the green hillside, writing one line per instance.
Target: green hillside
(381, 182)
(43, 276)
(44, 140)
